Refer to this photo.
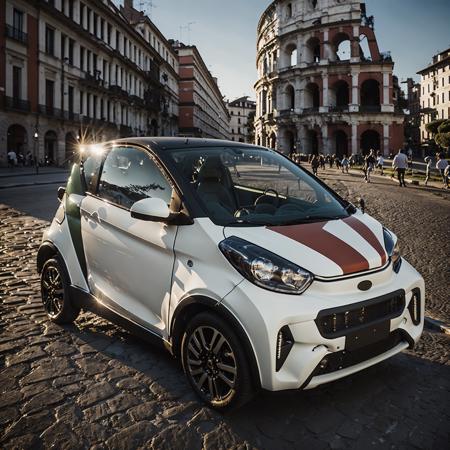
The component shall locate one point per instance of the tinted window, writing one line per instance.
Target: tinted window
(91, 168)
(129, 175)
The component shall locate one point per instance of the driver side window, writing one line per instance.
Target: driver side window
(129, 175)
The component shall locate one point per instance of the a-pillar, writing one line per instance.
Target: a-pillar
(354, 106)
(386, 140)
(355, 149)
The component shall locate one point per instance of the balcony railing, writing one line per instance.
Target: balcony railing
(153, 74)
(370, 108)
(311, 110)
(15, 33)
(137, 101)
(50, 111)
(339, 109)
(117, 90)
(17, 104)
(90, 80)
(69, 115)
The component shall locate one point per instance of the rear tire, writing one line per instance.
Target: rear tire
(215, 363)
(55, 283)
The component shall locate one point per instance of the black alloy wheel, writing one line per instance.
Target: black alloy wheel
(55, 292)
(215, 363)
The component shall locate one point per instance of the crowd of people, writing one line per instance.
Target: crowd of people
(374, 162)
(20, 160)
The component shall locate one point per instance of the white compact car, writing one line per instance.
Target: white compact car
(242, 264)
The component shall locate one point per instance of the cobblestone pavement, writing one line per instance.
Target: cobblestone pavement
(92, 385)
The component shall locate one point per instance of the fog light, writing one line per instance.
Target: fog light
(414, 307)
(285, 341)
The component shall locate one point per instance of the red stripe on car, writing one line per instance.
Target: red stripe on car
(315, 237)
(368, 235)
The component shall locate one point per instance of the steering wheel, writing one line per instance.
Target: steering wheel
(241, 212)
(259, 200)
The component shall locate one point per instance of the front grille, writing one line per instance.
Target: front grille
(345, 358)
(337, 322)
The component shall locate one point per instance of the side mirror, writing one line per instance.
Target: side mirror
(61, 192)
(151, 209)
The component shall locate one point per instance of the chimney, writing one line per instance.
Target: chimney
(128, 4)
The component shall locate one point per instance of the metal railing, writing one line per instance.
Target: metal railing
(370, 108)
(15, 33)
(17, 104)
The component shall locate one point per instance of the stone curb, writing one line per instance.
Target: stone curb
(37, 183)
(436, 325)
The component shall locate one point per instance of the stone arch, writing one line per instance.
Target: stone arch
(370, 95)
(290, 55)
(364, 50)
(312, 96)
(50, 148)
(312, 142)
(17, 139)
(339, 95)
(342, 47)
(340, 140)
(370, 139)
(312, 50)
(290, 96)
(290, 137)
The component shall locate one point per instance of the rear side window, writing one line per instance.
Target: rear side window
(130, 175)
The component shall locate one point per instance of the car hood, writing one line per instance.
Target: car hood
(328, 248)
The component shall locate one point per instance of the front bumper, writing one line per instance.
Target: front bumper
(263, 313)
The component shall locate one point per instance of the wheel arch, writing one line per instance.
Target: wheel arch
(191, 306)
(48, 250)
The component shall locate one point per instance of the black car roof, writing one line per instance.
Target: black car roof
(168, 143)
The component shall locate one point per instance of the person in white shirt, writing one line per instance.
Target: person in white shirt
(12, 158)
(400, 164)
(380, 162)
(442, 165)
(428, 161)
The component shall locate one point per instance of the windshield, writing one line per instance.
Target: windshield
(254, 186)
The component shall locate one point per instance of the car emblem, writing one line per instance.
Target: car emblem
(365, 285)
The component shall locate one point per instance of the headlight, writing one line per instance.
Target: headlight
(393, 249)
(265, 269)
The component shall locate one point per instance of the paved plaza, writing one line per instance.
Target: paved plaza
(92, 385)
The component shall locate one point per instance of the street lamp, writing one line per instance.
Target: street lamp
(36, 163)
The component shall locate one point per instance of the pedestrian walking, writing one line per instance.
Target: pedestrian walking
(12, 159)
(380, 163)
(442, 165)
(344, 164)
(322, 162)
(428, 162)
(400, 164)
(315, 163)
(369, 164)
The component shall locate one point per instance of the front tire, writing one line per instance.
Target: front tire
(55, 295)
(215, 363)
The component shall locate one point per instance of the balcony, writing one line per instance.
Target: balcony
(16, 104)
(153, 75)
(50, 111)
(152, 100)
(311, 110)
(117, 91)
(71, 116)
(16, 34)
(92, 81)
(137, 101)
(338, 109)
(370, 108)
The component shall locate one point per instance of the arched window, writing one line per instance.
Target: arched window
(312, 96)
(312, 54)
(290, 97)
(291, 55)
(342, 47)
(340, 95)
(370, 95)
(370, 140)
(289, 10)
(340, 143)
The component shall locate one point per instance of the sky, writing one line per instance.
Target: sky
(224, 31)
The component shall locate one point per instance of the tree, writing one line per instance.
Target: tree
(440, 129)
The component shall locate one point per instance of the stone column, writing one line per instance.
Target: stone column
(386, 106)
(302, 139)
(325, 141)
(386, 139)
(326, 102)
(355, 149)
(354, 106)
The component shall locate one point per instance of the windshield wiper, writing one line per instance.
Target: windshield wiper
(244, 221)
(309, 219)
